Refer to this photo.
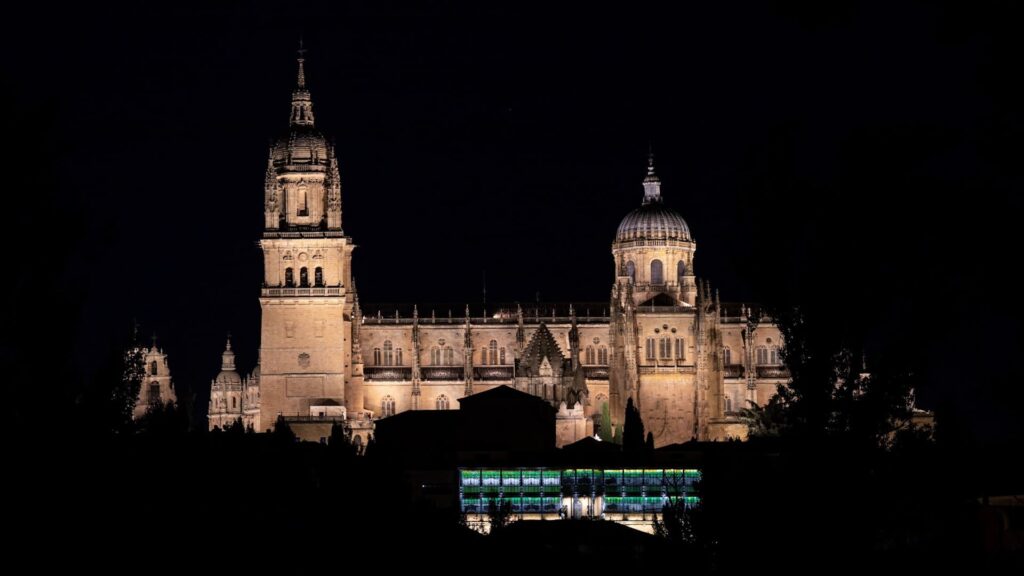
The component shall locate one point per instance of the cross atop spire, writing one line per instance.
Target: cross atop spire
(302, 59)
(652, 184)
(302, 103)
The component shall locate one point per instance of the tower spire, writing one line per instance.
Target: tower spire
(228, 358)
(302, 60)
(652, 184)
(302, 104)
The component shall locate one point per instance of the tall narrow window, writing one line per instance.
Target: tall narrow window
(389, 357)
(726, 356)
(728, 403)
(773, 356)
(387, 406)
(602, 356)
(762, 356)
(483, 356)
(376, 356)
(398, 356)
(303, 201)
(657, 272)
(289, 278)
(435, 356)
(154, 393)
(650, 348)
(493, 346)
(318, 276)
(665, 348)
(153, 368)
(449, 356)
(304, 277)
(680, 349)
(680, 271)
(442, 402)
(590, 355)
(631, 271)
(234, 402)
(501, 359)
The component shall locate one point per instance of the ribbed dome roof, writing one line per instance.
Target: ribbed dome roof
(653, 221)
(228, 377)
(302, 145)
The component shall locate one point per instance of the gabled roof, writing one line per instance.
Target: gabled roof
(542, 345)
(502, 394)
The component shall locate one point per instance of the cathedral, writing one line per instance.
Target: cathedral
(689, 362)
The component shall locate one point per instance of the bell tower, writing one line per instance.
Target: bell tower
(306, 297)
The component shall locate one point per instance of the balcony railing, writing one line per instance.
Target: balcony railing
(387, 373)
(669, 368)
(308, 291)
(315, 418)
(441, 372)
(772, 372)
(595, 372)
(493, 373)
(733, 370)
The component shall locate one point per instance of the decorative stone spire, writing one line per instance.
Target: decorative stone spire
(652, 184)
(302, 104)
(228, 358)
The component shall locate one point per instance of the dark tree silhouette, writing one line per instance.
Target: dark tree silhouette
(164, 420)
(500, 515)
(633, 429)
(283, 432)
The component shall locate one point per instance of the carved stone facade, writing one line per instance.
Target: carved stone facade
(234, 398)
(157, 386)
(688, 362)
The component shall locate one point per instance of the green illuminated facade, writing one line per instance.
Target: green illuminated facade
(616, 494)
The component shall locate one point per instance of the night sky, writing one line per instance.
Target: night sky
(862, 161)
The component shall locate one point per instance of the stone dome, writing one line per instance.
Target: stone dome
(303, 145)
(228, 378)
(653, 221)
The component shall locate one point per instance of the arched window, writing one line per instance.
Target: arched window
(318, 276)
(304, 277)
(657, 272)
(728, 403)
(289, 278)
(631, 271)
(501, 359)
(494, 351)
(590, 355)
(680, 349)
(153, 368)
(302, 201)
(602, 356)
(773, 355)
(726, 356)
(650, 348)
(435, 356)
(442, 402)
(398, 356)
(376, 356)
(387, 406)
(449, 356)
(483, 356)
(680, 271)
(154, 393)
(389, 356)
(762, 356)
